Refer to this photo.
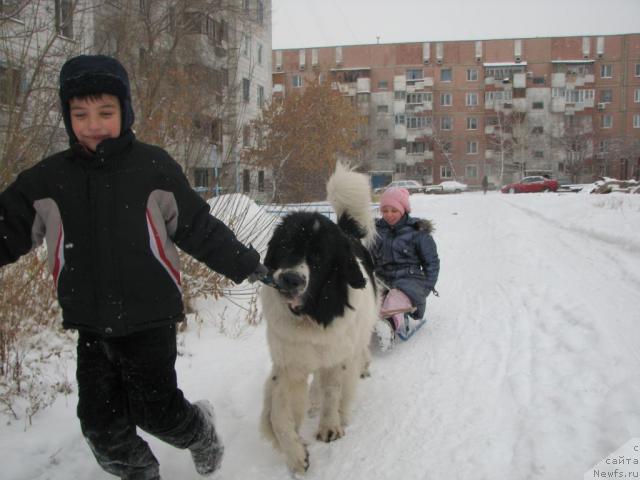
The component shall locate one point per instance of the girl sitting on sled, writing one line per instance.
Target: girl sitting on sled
(406, 264)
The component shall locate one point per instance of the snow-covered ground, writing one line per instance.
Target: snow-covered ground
(529, 367)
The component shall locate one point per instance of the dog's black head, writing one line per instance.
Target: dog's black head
(314, 263)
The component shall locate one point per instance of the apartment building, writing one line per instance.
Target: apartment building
(200, 73)
(567, 106)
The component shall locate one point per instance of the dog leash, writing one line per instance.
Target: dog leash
(268, 280)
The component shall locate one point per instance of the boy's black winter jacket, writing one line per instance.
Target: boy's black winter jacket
(111, 222)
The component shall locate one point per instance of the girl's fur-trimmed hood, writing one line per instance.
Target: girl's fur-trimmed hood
(421, 224)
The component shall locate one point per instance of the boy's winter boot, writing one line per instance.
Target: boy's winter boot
(207, 450)
(384, 334)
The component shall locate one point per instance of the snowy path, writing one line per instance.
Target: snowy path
(528, 369)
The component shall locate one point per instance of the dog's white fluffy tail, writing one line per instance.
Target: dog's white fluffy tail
(349, 193)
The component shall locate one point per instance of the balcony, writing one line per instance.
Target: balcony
(519, 80)
(399, 83)
(400, 154)
(558, 80)
(363, 85)
(400, 131)
(558, 105)
(399, 106)
(520, 105)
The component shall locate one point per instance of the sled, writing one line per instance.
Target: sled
(410, 325)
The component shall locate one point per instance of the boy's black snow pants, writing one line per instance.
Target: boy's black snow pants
(130, 382)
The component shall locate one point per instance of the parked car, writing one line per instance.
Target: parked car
(531, 184)
(411, 185)
(448, 186)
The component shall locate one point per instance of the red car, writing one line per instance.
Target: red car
(531, 184)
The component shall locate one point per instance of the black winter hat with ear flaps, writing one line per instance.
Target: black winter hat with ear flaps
(94, 75)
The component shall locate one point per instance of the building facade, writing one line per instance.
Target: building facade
(505, 108)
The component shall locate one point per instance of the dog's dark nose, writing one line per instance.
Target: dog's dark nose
(290, 281)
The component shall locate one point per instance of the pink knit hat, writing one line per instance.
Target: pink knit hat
(396, 197)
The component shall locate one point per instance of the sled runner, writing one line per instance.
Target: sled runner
(395, 321)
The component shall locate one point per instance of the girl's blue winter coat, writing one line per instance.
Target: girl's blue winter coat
(406, 258)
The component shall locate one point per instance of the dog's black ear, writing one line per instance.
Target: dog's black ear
(354, 274)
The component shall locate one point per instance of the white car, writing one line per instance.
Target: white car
(411, 185)
(448, 186)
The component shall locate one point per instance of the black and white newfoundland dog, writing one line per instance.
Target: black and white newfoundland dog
(320, 317)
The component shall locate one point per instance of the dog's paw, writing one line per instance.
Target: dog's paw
(329, 434)
(298, 462)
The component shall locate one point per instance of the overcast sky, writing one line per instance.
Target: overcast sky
(320, 23)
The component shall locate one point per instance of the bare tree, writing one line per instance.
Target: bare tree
(575, 140)
(511, 139)
(441, 141)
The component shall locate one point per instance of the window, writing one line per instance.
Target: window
(472, 147)
(472, 123)
(503, 73)
(606, 96)
(399, 119)
(246, 85)
(246, 135)
(446, 75)
(538, 154)
(471, 99)
(415, 74)
(607, 121)
(445, 123)
(537, 130)
(471, 171)
(573, 95)
(418, 122)
(538, 81)
(261, 180)
(383, 85)
(260, 12)
(201, 177)
(144, 7)
(472, 75)
(383, 108)
(259, 54)
(9, 8)
(64, 18)
(382, 155)
(604, 146)
(446, 99)
(606, 71)
(400, 95)
(215, 131)
(246, 44)
(637, 69)
(418, 98)
(445, 171)
(260, 98)
(246, 181)
(498, 96)
(297, 81)
(636, 95)
(636, 121)
(383, 133)
(415, 148)
(10, 79)
(538, 105)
